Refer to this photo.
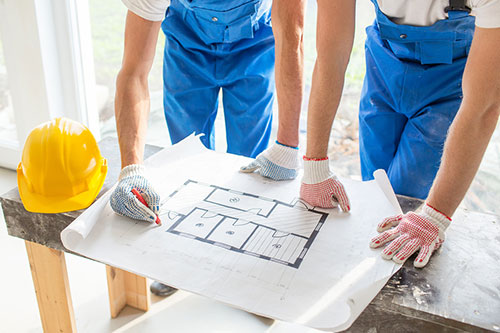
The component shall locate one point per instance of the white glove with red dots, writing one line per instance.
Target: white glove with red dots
(412, 232)
(320, 187)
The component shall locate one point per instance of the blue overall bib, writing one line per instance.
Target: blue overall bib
(212, 45)
(411, 93)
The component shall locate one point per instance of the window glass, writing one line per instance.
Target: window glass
(108, 27)
(7, 121)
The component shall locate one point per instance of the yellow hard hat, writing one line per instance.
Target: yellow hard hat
(61, 168)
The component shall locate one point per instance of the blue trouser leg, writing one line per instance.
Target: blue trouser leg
(406, 109)
(380, 125)
(247, 134)
(378, 144)
(430, 98)
(190, 93)
(418, 157)
(249, 93)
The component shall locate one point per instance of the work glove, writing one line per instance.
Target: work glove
(320, 187)
(412, 232)
(125, 203)
(278, 162)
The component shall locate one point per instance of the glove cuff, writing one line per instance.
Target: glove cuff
(439, 219)
(284, 156)
(316, 171)
(132, 170)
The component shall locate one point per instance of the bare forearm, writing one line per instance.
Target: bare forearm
(474, 124)
(132, 93)
(326, 91)
(131, 111)
(335, 36)
(288, 24)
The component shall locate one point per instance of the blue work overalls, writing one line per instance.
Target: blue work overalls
(411, 93)
(212, 45)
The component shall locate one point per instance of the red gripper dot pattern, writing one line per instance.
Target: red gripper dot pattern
(325, 194)
(413, 233)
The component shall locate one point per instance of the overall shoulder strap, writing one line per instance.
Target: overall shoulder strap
(457, 5)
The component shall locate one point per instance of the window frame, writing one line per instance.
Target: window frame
(48, 54)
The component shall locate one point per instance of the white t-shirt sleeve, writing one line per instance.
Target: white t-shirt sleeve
(487, 13)
(152, 10)
(427, 12)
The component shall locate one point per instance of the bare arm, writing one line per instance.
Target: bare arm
(335, 35)
(474, 124)
(288, 29)
(132, 92)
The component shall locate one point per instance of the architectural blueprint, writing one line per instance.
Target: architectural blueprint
(243, 222)
(245, 240)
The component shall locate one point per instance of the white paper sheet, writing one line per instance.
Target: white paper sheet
(247, 241)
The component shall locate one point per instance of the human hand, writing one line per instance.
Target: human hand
(412, 232)
(278, 162)
(320, 187)
(125, 203)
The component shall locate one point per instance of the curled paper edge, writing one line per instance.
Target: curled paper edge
(386, 187)
(79, 229)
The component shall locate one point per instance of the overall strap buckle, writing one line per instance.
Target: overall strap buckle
(457, 5)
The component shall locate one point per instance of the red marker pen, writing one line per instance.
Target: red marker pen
(141, 199)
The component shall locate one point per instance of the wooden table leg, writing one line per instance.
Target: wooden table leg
(50, 277)
(126, 288)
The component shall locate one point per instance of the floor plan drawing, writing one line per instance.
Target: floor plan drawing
(243, 222)
(246, 241)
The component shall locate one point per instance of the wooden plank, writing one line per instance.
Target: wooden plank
(125, 288)
(50, 277)
(116, 290)
(137, 291)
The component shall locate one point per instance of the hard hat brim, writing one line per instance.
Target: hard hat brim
(36, 203)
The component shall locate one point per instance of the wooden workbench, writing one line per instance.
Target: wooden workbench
(459, 290)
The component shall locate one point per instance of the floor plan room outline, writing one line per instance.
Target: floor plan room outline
(244, 222)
